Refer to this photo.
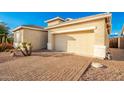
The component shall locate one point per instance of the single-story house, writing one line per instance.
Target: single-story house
(35, 35)
(88, 36)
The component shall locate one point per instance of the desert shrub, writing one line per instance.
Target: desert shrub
(5, 46)
(9, 46)
(2, 47)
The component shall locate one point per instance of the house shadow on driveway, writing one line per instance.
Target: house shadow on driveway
(49, 53)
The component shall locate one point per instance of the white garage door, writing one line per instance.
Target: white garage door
(79, 43)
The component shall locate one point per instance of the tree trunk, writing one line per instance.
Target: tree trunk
(23, 52)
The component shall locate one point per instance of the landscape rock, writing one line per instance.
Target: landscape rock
(97, 65)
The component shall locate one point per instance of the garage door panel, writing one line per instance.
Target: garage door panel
(61, 42)
(79, 43)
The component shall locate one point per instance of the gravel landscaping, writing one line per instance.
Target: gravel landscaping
(112, 70)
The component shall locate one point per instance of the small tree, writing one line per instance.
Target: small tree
(25, 48)
(4, 30)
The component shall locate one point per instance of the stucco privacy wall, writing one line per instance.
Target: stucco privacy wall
(121, 42)
(100, 35)
(37, 38)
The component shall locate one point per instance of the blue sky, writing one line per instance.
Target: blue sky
(14, 19)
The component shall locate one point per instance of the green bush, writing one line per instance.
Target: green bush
(10, 40)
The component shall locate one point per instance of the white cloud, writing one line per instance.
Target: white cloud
(115, 33)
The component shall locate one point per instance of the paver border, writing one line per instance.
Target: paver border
(82, 71)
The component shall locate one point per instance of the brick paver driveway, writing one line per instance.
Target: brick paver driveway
(44, 66)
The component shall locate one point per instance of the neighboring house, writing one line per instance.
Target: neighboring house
(117, 41)
(35, 35)
(88, 36)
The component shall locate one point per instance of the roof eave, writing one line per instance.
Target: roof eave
(17, 28)
(81, 20)
(21, 27)
(50, 20)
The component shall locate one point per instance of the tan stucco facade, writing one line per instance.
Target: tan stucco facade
(38, 38)
(87, 38)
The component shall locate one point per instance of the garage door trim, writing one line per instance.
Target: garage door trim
(74, 30)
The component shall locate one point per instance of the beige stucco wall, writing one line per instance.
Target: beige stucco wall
(106, 38)
(18, 37)
(100, 36)
(37, 38)
(99, 32)
(55, 22)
